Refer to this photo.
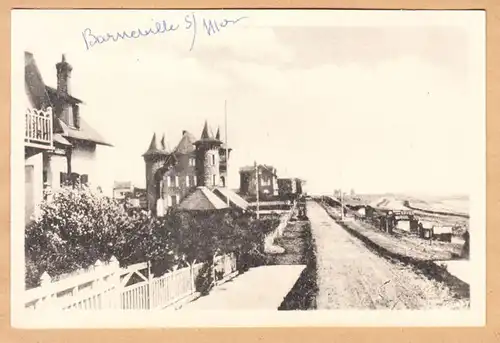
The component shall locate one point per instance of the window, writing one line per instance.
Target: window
(176, 181)
(69, 116)
(173, 200)
(192, 162)
(195, 180)
(187, 180)
(168, 181)
(213, 159)
(76, 116)
(213, 180)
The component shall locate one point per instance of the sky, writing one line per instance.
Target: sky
(364, 102)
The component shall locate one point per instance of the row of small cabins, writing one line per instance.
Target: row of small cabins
(389, 215)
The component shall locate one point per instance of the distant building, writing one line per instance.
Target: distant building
(289, 187)
(136, 197)
(188, 175)
(122, 189)
(268, 181)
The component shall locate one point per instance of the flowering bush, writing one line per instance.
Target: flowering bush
(76, 227)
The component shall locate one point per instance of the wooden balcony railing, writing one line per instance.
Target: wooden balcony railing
(38, 130)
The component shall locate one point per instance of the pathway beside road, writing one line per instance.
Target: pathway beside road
(260, 288)
(349, 276)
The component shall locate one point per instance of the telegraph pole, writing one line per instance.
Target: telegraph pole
(257, 187)
(227, 150)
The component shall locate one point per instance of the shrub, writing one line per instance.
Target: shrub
(77, 227)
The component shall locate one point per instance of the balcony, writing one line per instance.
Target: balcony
(38, 129)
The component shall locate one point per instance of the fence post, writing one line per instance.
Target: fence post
(193, 285)
(150, 287)
(45, 282)
(115, 280)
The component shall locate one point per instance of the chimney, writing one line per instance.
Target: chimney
(64, 76)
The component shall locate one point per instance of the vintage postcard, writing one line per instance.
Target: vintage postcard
(221, 168)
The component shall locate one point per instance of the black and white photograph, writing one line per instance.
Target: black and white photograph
(248, 168)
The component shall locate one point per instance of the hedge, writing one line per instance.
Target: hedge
(77, 227)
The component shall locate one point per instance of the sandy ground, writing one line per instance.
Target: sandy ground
(349, 276)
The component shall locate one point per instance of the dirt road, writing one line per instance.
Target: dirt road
(349, 276)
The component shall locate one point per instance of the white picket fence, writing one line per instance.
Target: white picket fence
(107, 286)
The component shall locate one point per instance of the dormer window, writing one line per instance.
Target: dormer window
(69, 116)
(76, 116)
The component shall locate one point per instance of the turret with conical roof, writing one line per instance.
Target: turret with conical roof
(207, 152)
(155, 158)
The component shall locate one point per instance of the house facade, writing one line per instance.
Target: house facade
(289, 187)
(188, 175)
(268, 181)
(60, 147)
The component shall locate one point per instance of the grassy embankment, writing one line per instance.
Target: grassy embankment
(299, 249)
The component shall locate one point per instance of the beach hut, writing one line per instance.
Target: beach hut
(443, 233)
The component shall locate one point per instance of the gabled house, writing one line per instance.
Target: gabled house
(60, 147)
(267, 177)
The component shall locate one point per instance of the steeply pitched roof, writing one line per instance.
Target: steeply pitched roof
(207, 132)
(207, 135)
(202, 199)
(186, 144)
(85, 132)
(218, 137)
(233, 197)
(155, 147)
(42, 96)
(34, 85)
